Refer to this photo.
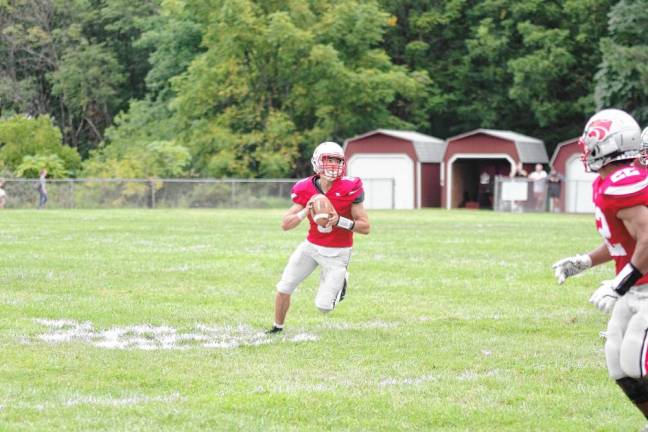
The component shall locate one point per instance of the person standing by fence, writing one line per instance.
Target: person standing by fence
(42, 189)
(539, 179)
(554, 184)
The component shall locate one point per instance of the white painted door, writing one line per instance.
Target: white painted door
(578, 187)
(399, 167)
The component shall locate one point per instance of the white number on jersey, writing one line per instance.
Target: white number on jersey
(626, 172)
(615, 249)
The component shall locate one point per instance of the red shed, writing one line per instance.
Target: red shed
(576, 191)
(400, 169)
(495, 152)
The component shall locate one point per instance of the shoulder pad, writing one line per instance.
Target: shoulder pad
(626, 181)
(302, 191)
(302, 184)
(351, 185)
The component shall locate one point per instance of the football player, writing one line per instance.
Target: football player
(611, 144)
(329, 246)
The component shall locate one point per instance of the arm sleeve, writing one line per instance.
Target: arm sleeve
(357, 192)
(298, 194)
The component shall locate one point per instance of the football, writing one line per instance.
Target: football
(321, 209)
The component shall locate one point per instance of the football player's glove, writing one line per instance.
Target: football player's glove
(571, 266)
(605, 296)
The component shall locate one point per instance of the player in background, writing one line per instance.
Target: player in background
(611, 145)
(329, 246)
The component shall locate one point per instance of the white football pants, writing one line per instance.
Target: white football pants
(333, 264)
(625, 347)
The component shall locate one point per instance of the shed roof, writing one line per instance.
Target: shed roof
(530, 150)
(559, 146)
(428, 148)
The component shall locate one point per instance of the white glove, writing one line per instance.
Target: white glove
(571, 266)
(605, 297)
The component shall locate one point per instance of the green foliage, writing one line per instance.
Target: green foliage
(269, 83)
(22, 137)
(32, 165)
(249, 87)
(622, 79)
(525, 66)
(153, 159)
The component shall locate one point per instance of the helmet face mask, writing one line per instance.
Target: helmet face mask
(610, 135)
(328, 161)
(643, 153)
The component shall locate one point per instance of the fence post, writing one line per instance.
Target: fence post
(152, 192)
(233, 184)
(72, 200)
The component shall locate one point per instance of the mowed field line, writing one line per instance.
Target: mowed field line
(153, 320)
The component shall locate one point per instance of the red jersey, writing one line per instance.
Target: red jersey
(625, 187)
(344, 192)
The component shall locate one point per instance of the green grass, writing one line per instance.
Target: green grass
(453, 322)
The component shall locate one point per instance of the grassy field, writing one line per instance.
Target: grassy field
(152, 320)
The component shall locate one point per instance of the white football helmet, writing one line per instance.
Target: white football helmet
(610, 135)
(643, 158)
(329, 169)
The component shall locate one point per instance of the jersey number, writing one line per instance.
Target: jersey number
(615, 249)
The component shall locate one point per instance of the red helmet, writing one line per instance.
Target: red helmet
(328, 160)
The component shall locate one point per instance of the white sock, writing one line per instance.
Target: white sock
(278, 325)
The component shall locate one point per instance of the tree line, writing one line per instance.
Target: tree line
(247, 88)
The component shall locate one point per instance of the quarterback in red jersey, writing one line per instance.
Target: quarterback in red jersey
(612, 147)
(328, 246)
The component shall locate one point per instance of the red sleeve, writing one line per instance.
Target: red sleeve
(357, 192)
(300, 193)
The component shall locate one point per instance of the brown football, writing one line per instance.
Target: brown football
(321, 209)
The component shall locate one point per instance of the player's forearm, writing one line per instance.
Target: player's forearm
(291, 220)
(640, 255)
(361, 226)
(600, 255)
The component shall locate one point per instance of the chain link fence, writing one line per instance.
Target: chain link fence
(159, 193)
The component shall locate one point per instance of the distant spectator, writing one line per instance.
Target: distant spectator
(3, 195)
(42, 189)
(554, 182)
(485, 191)
(518, 171)
(539, 179)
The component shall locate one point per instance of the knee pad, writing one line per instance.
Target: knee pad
(323, 305)
(285, 288)
(633, 353)
(635, 389)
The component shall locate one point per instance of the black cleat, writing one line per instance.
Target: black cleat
(274, 329)
(342, 292)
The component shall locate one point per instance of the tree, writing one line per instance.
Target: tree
(39, 138)
(622, 78)
(277, 78)
(32, 165)
(525, 66)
